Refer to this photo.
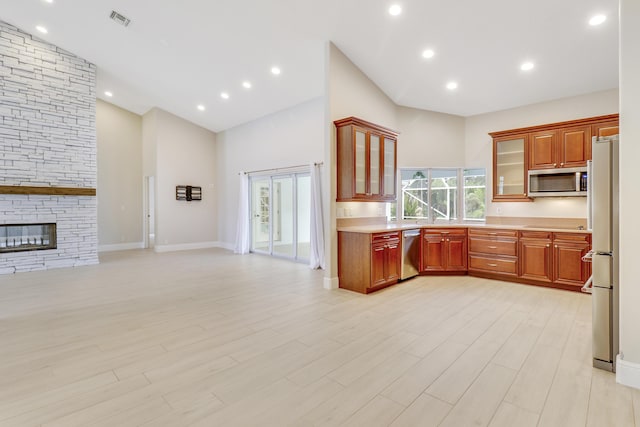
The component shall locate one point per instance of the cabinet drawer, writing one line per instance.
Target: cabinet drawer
(492, 232)
(504, 266)
(384, 237)
(540, 235)
(445, 231)
(494, 247)
(572, 237)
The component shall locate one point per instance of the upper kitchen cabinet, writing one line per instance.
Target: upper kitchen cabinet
(606, 128)
(510, 168)
(543, 150)
(554, 145)
(366, 161)
(562, 148)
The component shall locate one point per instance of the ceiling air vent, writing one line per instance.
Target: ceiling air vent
(120, 19)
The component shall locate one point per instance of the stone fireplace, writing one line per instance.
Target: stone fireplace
(48, 155)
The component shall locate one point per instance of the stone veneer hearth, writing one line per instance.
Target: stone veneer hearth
(48, 139)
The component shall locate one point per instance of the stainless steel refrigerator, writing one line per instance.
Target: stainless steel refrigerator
(603, 218)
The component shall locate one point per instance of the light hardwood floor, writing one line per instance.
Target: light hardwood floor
(209, 338)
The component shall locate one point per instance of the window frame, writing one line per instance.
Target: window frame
(460, 208)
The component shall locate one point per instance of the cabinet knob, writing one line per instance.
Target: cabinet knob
(555, 164)
(448, 240)
(442, 240)
(548, 245)
(562, 164)
(556, 246)
(524, 194)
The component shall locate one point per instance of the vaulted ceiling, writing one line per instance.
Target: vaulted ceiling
(177, 55)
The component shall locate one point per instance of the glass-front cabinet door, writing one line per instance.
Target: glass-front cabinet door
(389, 174)
(374, 165)
(510, 171)
(360, 162)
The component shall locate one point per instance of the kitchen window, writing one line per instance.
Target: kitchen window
(432, 194)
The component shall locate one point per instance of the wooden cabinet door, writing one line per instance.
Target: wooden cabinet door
(568, 268)
(606, 129)
(392, 261)
(456, 248)
(542, 150)
(535, 260)
(378, 276)
(574, 148)
(433, 256)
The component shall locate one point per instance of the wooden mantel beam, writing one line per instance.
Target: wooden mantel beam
(47, 191)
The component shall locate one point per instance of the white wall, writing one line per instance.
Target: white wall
(184, 155)
(120, 182)
(629, 369)
(429, 139)
(478, 145)
(287, 138)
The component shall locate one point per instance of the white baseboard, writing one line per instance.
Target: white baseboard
(226, 245)
(186, 246)
(627, 373)
(121, 247)
(331, 283)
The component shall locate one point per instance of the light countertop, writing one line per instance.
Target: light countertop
(381, 228)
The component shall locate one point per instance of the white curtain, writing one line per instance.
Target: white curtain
(316, 256)
(242, 232)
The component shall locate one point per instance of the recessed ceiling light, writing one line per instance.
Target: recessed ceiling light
(597, 20)
(48, 1)
(275, 70)
(42, 29)
(246, 85)
(526, 66)
(452, 85)
(201, 107)
(428, 53)
(224, 95)
(108, 93)
(395, 10)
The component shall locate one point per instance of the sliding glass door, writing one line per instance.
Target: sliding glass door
(280, 215)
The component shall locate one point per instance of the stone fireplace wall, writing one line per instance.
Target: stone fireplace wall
(48, 139)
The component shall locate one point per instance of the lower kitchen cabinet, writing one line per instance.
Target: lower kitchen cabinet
(444, 250)
(493, 252)
(535, 256)
(368, 262)
(568, 269)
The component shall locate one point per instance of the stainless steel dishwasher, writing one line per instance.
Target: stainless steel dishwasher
(410, 253)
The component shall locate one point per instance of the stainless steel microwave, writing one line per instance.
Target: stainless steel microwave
(558, 182)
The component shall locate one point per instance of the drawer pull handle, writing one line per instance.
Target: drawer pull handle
(492, 247)
(445, 232)
(492, 265)
(493, 234)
